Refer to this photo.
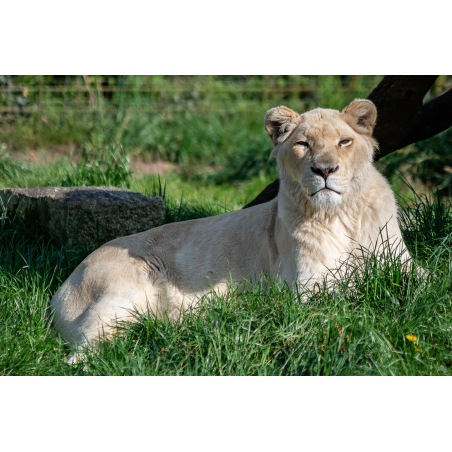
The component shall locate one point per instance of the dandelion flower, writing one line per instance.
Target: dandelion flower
(411, 337)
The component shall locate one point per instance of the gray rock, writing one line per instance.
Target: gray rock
(89, 215)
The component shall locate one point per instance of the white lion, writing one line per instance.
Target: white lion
(331, 199)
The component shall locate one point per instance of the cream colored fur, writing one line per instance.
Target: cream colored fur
(307, 230)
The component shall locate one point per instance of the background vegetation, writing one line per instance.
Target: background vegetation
(90, 131)
(196, 122)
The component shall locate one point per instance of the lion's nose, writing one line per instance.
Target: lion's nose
(324, 172)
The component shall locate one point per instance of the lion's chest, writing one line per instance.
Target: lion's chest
(320, 246)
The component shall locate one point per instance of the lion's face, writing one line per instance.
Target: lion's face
(324, 152)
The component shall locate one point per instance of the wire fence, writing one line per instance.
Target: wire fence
(109, 94)
(26, 95)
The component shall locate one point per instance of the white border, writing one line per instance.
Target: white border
(224, 414)
(235, 37)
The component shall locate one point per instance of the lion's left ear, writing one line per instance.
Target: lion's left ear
(361, 115)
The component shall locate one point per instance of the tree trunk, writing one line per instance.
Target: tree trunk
(402, 118)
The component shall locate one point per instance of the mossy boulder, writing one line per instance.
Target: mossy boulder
(90, 216)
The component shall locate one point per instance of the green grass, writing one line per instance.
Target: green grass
(361, 328)
(187, 119)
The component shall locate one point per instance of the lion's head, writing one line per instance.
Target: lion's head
(325, 155)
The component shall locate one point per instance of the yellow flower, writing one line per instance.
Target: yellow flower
(410, 337)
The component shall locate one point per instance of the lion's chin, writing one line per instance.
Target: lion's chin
(326, 199)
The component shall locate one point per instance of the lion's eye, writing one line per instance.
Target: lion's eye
(345, 142)
(302, 143)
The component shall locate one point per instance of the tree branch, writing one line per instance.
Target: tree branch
(267, 194)
(434, 117)
(398, 98)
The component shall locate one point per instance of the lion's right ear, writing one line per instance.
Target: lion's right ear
(280, 122)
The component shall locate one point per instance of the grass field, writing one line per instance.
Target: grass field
(386, 320)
